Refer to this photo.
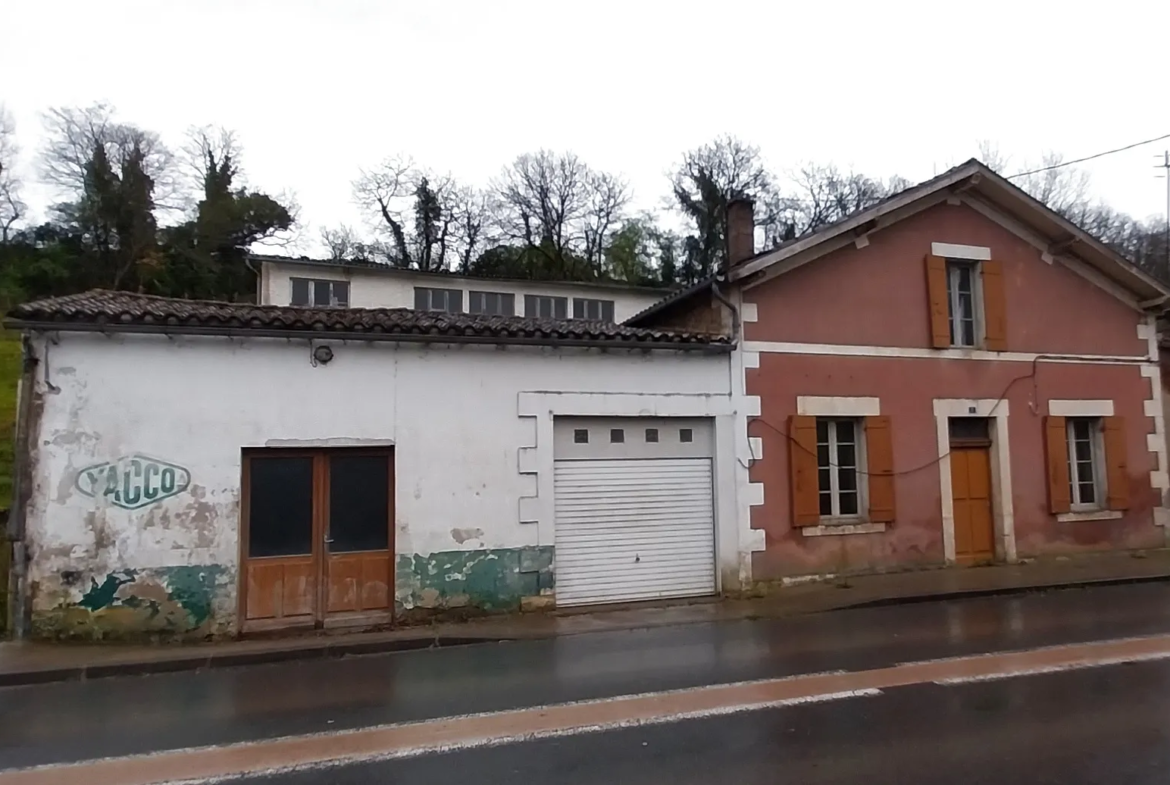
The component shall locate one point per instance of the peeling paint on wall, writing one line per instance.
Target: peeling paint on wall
(489, 579)
(172, 602)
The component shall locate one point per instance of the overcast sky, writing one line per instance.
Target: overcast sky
(317, 90)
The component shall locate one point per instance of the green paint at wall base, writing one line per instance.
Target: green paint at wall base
(173, 603)
(489, 579)
(180, 603)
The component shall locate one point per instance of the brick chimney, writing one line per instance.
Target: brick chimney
(741, 230)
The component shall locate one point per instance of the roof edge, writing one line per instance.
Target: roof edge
(714, 346)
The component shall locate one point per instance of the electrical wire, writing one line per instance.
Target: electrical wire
(1088, 157)
(933, 462)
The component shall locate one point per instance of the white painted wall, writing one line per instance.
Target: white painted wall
(472, 428)
(395, 289)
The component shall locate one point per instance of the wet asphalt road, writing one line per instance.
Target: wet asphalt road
(1102, 726)
(121, 716)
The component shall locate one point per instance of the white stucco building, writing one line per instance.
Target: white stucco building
(314, 282)
(204, 469)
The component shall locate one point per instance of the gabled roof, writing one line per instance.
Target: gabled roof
(108, 311)
(1046, 229)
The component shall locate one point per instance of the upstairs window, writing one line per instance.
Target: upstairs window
(537, 306)
(967, 301)
(312, 293)
(594, 310)
(440, 300)
(963, 302)
(491, 303)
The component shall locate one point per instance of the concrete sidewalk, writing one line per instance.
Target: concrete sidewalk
(34, 663)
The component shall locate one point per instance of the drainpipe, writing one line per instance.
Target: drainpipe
(21, 490)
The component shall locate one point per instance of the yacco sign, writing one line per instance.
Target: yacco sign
(133, 481)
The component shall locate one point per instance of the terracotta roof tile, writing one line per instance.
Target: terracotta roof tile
(108, 310)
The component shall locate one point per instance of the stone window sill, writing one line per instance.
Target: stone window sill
(1089, 515)
(834, 529)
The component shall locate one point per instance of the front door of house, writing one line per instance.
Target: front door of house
(971, 490)
(317, 538)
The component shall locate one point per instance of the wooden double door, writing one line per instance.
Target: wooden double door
(317, 538)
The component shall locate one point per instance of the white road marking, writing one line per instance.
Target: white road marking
(1038, 671)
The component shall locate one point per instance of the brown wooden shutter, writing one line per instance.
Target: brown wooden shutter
(1116, 463)
(940, 309)
(1056, 443)
(994, 307)
(879, 454)
(802, 466)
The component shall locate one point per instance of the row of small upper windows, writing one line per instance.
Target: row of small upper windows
(536, 306)
(618, 435)
(335, 294)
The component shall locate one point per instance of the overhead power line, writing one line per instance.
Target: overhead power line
(1089, 157)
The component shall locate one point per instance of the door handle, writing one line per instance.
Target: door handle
(328, 539)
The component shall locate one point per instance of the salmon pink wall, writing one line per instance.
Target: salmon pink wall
(906, 388)
(876, 296)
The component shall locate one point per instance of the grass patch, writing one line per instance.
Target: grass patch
(9, 378)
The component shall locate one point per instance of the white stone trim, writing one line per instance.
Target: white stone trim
(841, 529)
(1080, 408)
(1090, 515)
(832, 406)
(1148, 331)
(756, 447)
(1152, 407)
(854, 350)
(537, 461)
(1001, 470)
(748, 449)
(331, 442)
(976, 253)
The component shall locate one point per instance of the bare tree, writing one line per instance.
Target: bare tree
(470, 228)
(344, 244)
(209, 151)
(608, 197)
(74, 135)
(542, 201)
(707, 179)
(383, 194)
(823, 194)
(12, 207)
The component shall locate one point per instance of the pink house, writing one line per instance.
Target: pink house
(956, 375)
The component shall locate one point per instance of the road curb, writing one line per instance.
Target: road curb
(970, 594)
(342, 647)
(329, 650)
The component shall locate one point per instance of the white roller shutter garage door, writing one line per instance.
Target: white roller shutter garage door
(635, 528)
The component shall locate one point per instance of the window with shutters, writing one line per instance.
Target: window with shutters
(595, 310)
(315, 293)
(964, 303)
(968, 305)
(491, 303)
(546, 307)
(440, 300)
(1088, 466)
(1085, 437)
(839, 452)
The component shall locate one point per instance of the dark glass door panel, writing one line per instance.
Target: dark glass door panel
(280, 506)
(359, 503)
